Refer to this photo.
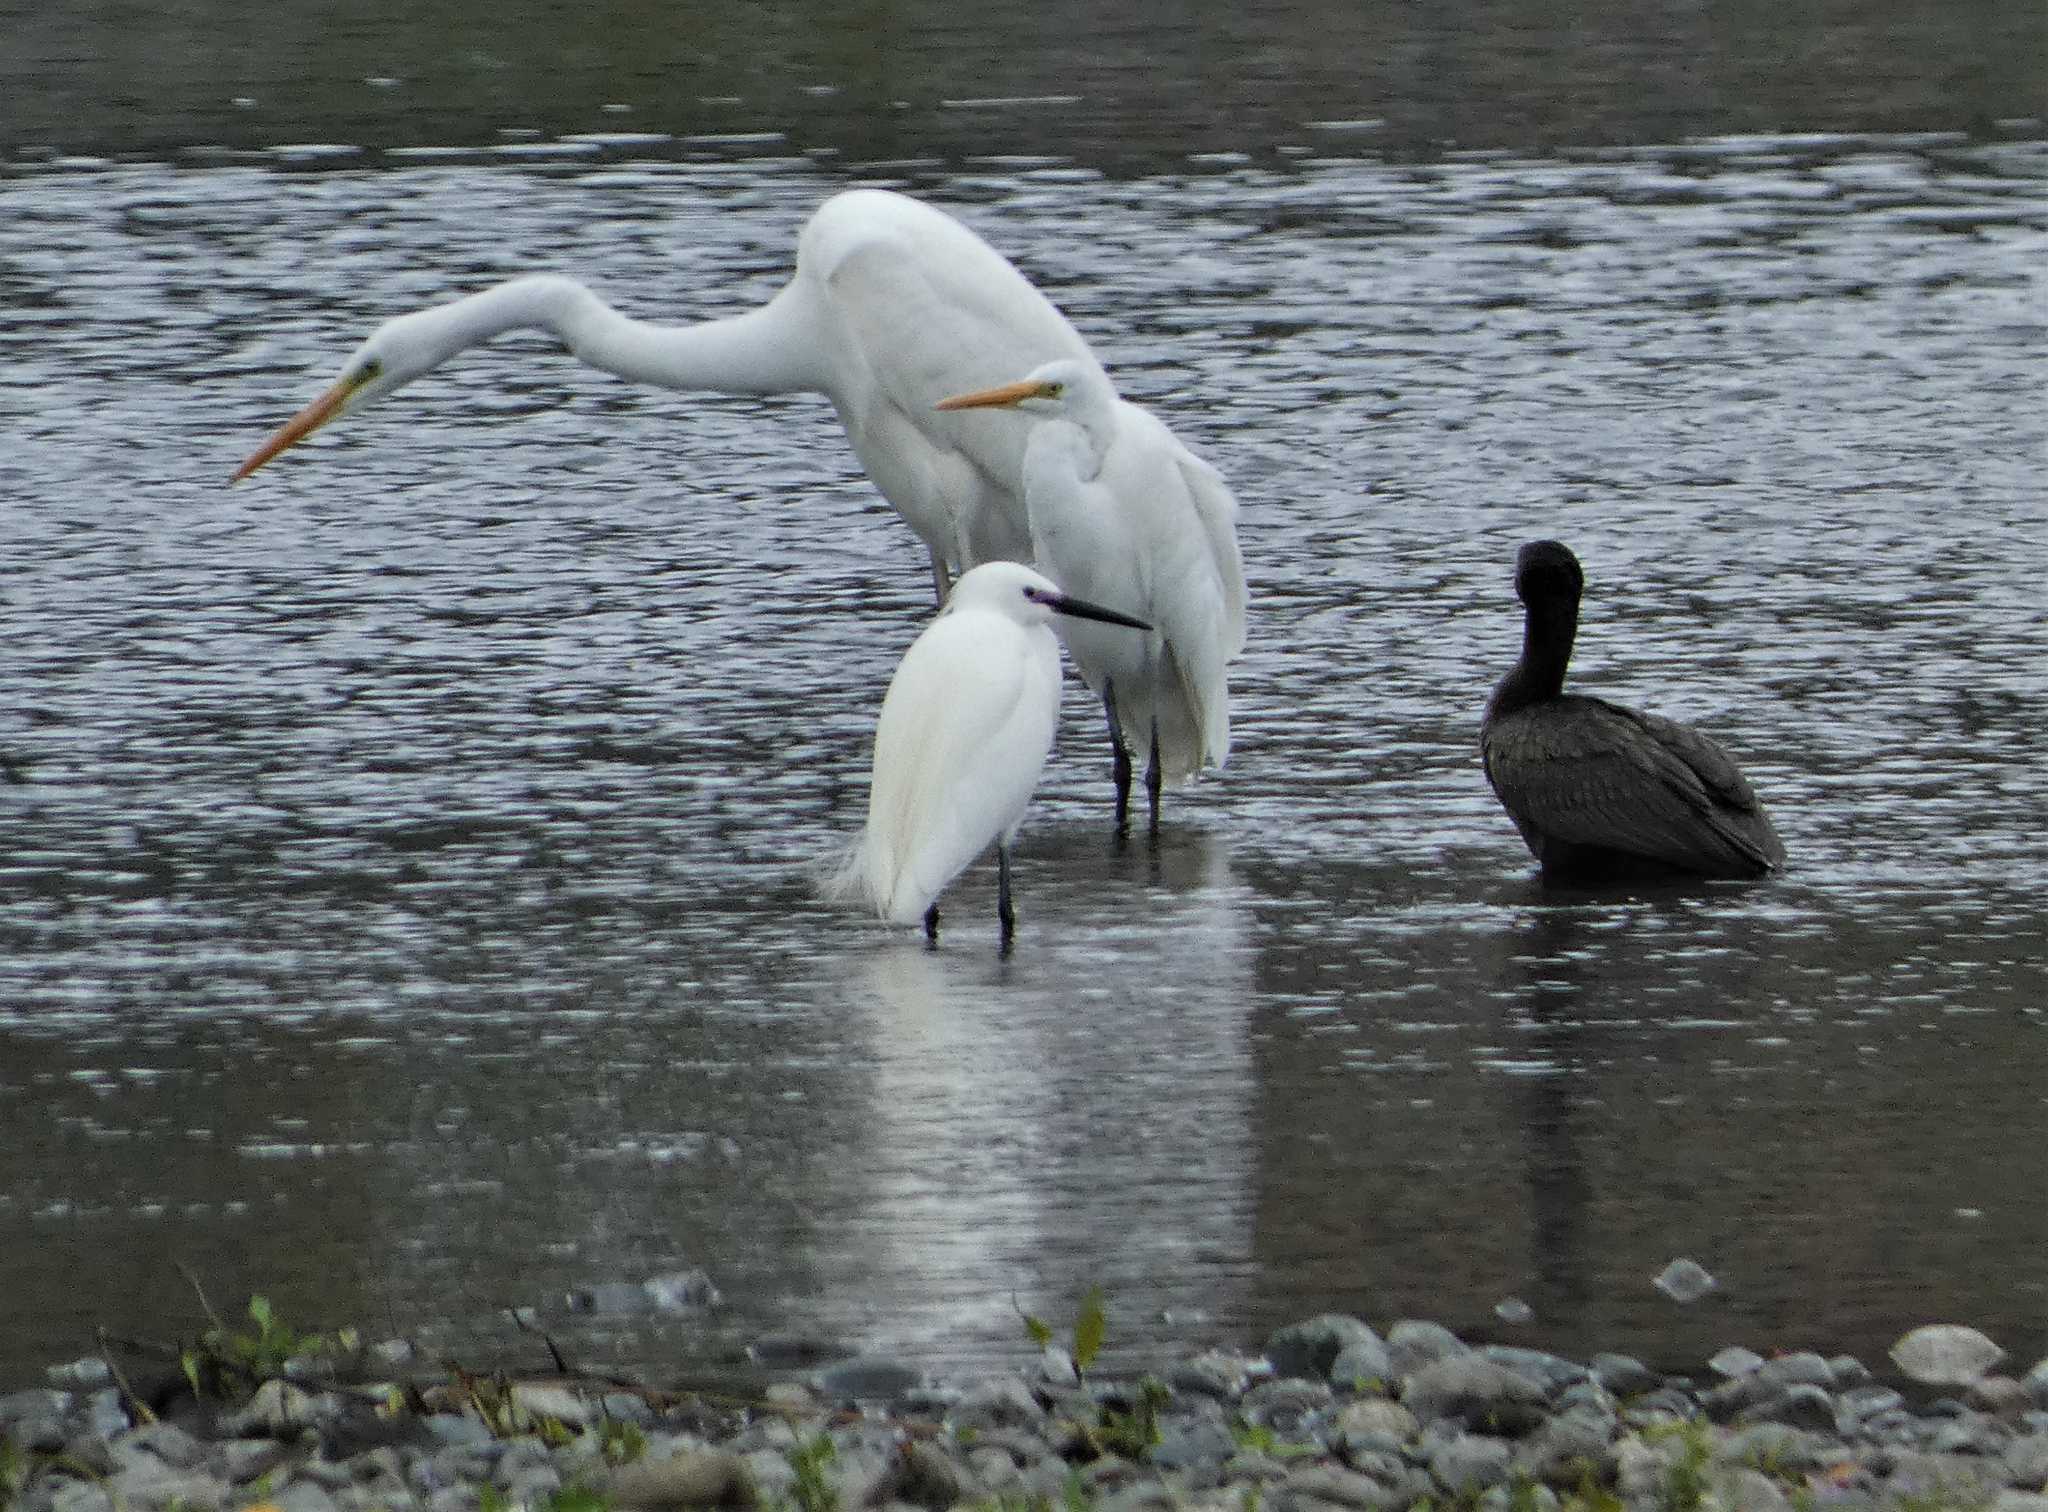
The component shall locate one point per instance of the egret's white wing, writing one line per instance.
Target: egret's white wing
(925, 310)
(962, 738)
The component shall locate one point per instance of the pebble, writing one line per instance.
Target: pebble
(1435, 1424)
(1945, 1354)
(1684, 1281)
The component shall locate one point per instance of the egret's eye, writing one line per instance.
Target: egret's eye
(1055, 390)
(370, 371)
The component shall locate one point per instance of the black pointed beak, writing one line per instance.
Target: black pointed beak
(1082, 609)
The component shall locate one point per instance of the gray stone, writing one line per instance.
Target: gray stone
(533, 1485)
(1741, 1489)
(168, 1442)
(1287, 1405)
(1684, 1281)
(1803, 1368)
(993, 1470)
(1000, 1402)
(1735, 1362)
(1519, 1499)
(1796, 1406)
(303, 1496)
(627, 1407)
(2035, 1380)
(1476, 1392)
(868, 1378)
(1779, 1444)
(81, 1496)
(2026, 1460)
(1309, 1348)
(862, 1477)
(1345, 1488)
(39, 1433)
(2011, 1500)
(931, 1478)
(772, 1476)
(1945, 1354)
(1972, 1433)
(1567, 1447)
(242, 1460)
(1624, 1375)
(1183, 1445)
(88, 1373)
(106, 1413)
(35, 1402)
(1468, 1462)
(541, 1402)
(275, 1407)
(157, 1485)
(1552, 1372)
(1363, 1362)
(1853, 1407)
(1413, 1343)
(1373, 1425)
(1214, 1373)
(459, 1431)
(1849, 1371)
(1056, 1367)
(1999, 1395)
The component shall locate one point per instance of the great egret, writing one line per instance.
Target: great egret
(964, 732)
(1597, 790)
(893, 306)
(1121, 511)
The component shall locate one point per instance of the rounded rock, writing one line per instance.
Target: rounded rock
(1945, 1354)
(1309, 1348)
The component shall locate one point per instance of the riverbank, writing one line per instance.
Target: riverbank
(1331, 1415)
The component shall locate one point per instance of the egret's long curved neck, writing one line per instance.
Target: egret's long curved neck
(1076, 440)
(1548, 630)
(770, 350)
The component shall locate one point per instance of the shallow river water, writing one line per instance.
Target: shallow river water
(405, 898)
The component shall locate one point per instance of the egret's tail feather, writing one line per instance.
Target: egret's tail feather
(844, 876)
(865, 877)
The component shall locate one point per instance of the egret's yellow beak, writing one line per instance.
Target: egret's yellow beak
(305, 422)
(996, 398)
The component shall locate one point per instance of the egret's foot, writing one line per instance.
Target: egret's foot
(1006, 916)
(1154, 780)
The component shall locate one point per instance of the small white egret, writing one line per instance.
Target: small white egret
(893, 305)
(1599, 791)
(1120, 511)
(964, 732)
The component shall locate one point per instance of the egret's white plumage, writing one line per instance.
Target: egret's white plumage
(962, 738)
(1121, 512)
(893, 306)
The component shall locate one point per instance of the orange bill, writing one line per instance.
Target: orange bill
(991, 398)
(301, 425)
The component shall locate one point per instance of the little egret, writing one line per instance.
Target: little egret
(1121, 511)
(893, 306)
(1599, 791)
(964, 732)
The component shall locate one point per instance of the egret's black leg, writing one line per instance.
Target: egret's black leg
(931, 925)
(1154, 778)
(1120, 759)
(1005, 914)
(941, 582)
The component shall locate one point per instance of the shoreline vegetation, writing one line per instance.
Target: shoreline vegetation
(1329, 1415)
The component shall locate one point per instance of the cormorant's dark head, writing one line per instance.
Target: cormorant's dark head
(1546, 571)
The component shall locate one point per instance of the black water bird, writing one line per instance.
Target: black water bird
(1599, 791)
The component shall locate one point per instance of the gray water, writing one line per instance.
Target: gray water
(406, 907)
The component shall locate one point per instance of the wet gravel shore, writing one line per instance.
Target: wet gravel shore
(1329, 1414)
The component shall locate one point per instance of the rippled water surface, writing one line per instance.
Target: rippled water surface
(405, 901)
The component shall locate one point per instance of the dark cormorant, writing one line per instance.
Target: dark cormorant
(1599, 791)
